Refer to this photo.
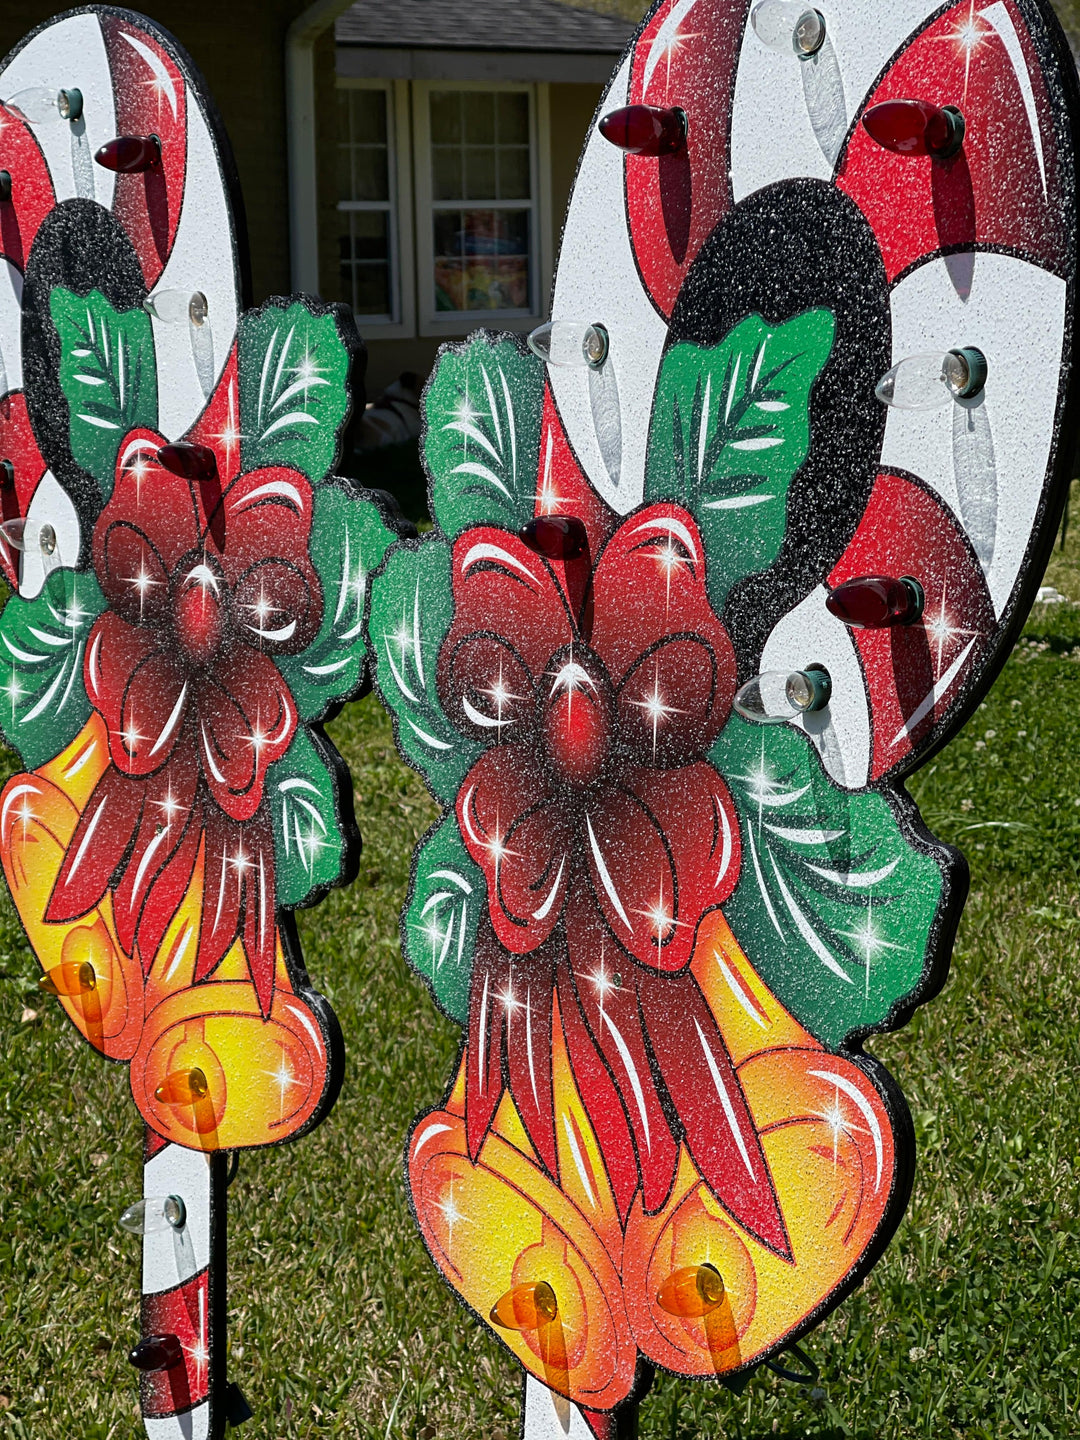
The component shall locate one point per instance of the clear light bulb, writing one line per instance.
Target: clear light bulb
(42, 106)
(779, 695)
(21, 535)
(571, 343)
(178, 307)
(929, 380)
(790, 27)
(155, 1215)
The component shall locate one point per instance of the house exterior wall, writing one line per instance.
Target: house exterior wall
(240, 48)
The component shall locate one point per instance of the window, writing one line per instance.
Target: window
(367, 238)
(481, 196)
(480, 243)
(479, 248)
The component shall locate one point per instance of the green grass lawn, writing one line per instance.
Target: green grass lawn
(966, 1328)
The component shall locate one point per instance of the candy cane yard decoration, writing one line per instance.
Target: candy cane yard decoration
(729, 549)
(190, 583)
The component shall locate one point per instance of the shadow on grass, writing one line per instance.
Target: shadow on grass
(397, 469)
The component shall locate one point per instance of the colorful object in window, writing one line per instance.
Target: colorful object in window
(666, 929)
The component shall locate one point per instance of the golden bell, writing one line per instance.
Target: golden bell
(692, 1292)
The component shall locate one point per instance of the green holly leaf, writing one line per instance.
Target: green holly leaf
(43, 702)
(438, 925)
(294, 388)
(730, 429)
(108, 375)
(348, 541)
(834, 907)
(310, 838)
(412, 606)
(483, 412)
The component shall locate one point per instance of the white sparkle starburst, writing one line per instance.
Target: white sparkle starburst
(284, 1079)
(310, 845)
(943, 630)
(131, 735)
(571, 677)
(656, 707)
(968, 37)
(868, 939)
(497, 848)
(601, 981)
(838, 1123)
(308, 374)
(143, 582)
(661, 918)
(171, 806)
(14, 691)
(502, 698)
(229, 437)
(453, 1215)
(241, 863)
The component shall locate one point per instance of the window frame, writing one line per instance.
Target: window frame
(401, 323)
(432, 322)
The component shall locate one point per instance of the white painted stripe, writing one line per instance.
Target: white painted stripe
(725, 1101)
(866, 1109)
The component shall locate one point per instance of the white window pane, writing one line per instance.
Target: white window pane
(447, 172)
(363, 167)
(364, 243)
(513, 118)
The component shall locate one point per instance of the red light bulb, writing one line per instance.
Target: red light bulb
(156, 1352)
(557, 537)
(190, 462)
(645, 130)
(876, 602)
(916, 127)
(130, 154)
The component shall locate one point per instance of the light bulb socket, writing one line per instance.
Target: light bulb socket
(5, 187)
(977, 370)
(175, 1211)
(596, 346)
(70, 104)
(809, 690)
(918, 600)
(955, 129)
(809, 34)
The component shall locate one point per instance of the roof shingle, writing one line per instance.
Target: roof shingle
(482, 25)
